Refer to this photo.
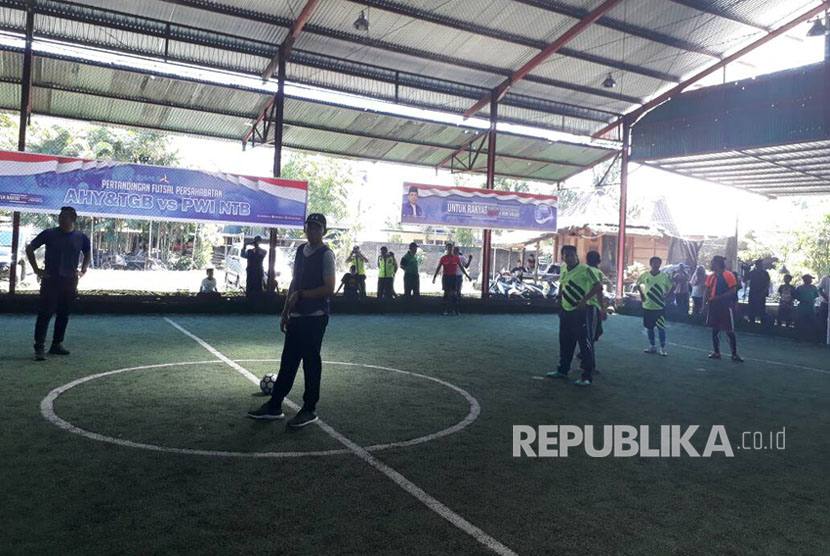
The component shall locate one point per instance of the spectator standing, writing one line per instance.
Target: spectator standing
(786, 301)
(824, 296)
(531, 264)
(254, 272)
(411, 276)
(463, 262)
(359, 260)
(698, 284)
(391, 282)
(681, 289)
(758, 291)
(806, 295)
(386, 273)
(743, 278)
(449, 265)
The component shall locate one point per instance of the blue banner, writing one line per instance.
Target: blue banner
(477, 208)
(43, 183)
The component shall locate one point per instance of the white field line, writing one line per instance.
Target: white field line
(779, 363)
(47, 409)
(472, 415)
(404, 483)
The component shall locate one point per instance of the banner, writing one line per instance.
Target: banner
(477, 208)
(44, 183)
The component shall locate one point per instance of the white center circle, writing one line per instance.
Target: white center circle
(47, 409)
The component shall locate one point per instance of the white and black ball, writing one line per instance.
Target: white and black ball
(267, 383)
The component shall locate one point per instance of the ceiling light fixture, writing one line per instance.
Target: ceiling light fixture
(818, 29)
(361, 23)
(609, 82)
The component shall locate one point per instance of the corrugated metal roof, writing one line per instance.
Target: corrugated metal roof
(424, 53)
(646, 44)
(74, 88)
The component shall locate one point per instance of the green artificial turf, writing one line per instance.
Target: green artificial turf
(66, 494)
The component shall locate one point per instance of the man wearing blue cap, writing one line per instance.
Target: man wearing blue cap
(304, 320)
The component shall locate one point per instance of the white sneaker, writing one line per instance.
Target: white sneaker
(651, 349)
(663, 352)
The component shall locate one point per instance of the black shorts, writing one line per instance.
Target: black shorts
(654, 317)
(449, 283)
(721, 316)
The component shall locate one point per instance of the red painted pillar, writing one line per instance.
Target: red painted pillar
(486, 262)
(623, 207)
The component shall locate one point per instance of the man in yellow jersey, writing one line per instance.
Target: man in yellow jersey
(655, 287)
(577, 285)
(596, 306)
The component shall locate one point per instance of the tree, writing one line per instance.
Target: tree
(328, 180)
(94, 142)
(328, 183)
(814, 244)
(464, 237)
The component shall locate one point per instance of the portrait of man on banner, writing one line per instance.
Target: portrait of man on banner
(410, 204)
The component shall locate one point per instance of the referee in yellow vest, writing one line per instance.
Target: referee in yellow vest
(578, 283)
(386, 273)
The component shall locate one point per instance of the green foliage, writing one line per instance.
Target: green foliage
(632, 272)
(207, 235)
(8, 132)
(183, 263)
(814, 246)
(464, 236)
(328, 191)
(507, 184)
(95, 142)
(328, 183)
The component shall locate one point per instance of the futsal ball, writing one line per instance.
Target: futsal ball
(267, 383)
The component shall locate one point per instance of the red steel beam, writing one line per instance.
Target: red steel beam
(461, 149)
(293, 33)
(633, 115)
(537, 60)
(262, 116)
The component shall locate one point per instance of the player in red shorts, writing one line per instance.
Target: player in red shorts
(450, 263)
(719, 301)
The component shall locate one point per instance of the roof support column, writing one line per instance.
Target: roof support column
(486, 262)
(25, 103)
(827, 44)
(278, 111)
(623, 207)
